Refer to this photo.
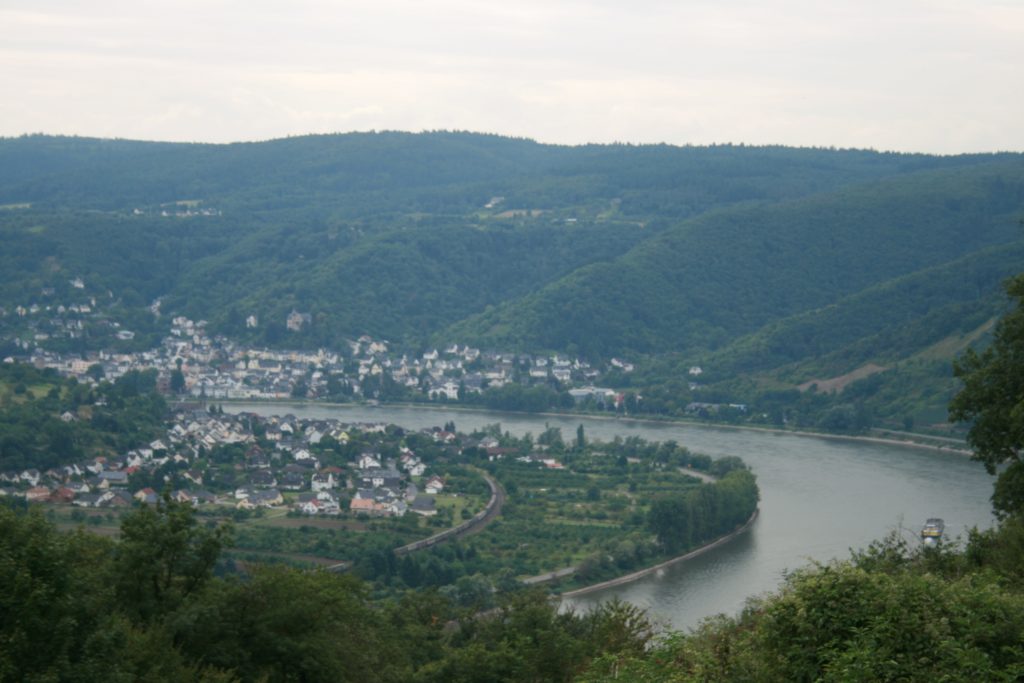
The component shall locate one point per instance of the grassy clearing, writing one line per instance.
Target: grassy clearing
(457, 503)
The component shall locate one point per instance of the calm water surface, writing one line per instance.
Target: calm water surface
(819, 498)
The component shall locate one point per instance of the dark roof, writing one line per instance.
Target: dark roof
(424, 503)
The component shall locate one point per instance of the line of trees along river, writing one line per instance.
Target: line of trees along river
(819, 498)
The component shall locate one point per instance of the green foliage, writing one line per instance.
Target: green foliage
(528, 399)
(387, 234)
(528, 639)
(48, 600)
(697, 516)
(67, 617)
(882, 323)
(791, 264)
(891, 613)
(164, 557)
(678, 291)
(283, 625)
(113, 417)
(993, 400)
(62, 619)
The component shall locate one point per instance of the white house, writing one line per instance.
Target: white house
(323, 482)
(369, 461)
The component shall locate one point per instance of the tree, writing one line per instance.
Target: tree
(581, 440)
(177, 381)
(285, 625)
(992, 399)
(164, 557)
(95, 371)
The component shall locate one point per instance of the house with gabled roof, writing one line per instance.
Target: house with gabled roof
(369, 461)
(147, 496)
(86, 500)
(262, 479)
(266, 499)
(381, 478)
(365, 505)
(424, 505)
(114, 478)
(323, 481)
(291, 481)
(37, 494)
(115, 499)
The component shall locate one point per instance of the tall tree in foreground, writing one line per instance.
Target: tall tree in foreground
(164, 557)
(993, 400)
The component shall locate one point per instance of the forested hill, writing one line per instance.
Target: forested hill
(505, 243)
(373, 173)
(703, 282)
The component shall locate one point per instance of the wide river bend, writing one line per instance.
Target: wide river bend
(820, 497)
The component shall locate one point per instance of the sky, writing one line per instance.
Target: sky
(924, 76)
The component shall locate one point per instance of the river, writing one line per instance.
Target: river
(820, 497)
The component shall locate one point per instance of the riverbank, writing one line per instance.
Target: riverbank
(662, 420)
(823, 497)
(641, 573)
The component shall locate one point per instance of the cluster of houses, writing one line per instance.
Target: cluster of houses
(249, 462)
(60, 314)
(384, 490)
(216, 368)
(102, 482)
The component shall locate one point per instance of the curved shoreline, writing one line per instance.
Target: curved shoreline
(612, 418)
(633, 576)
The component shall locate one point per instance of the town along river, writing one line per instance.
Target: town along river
(819, 498)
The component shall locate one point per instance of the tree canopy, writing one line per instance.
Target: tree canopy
(992, 399)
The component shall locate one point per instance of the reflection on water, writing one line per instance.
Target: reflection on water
(685, 593)
(819, 498)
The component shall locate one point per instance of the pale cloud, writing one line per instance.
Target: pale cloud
(936, 76)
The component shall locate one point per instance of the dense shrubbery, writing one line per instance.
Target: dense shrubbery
(892, 613)
(81, 607)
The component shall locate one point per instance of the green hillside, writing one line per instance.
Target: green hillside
(881, 324)
(706, 281)
(373, 173)
(774, 268)
(388, 234)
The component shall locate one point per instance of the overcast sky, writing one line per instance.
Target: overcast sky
(930, 75)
